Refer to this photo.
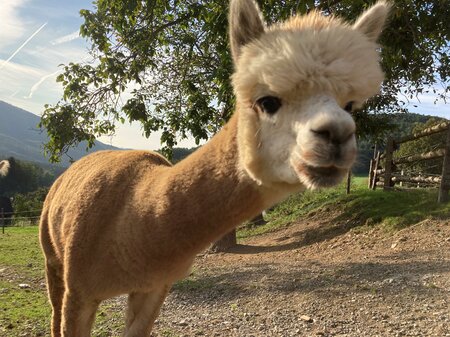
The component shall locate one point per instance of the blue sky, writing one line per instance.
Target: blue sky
(36, 36)
(41, 35)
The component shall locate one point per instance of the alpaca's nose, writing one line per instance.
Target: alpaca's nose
(335, 132)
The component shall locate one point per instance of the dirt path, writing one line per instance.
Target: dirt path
(319, 279)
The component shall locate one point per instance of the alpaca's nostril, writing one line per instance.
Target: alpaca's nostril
(333, 136)
(324, 134)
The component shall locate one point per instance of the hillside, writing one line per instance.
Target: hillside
(20, 137)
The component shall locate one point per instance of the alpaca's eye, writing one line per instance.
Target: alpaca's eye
(269, 104)
(349, 106)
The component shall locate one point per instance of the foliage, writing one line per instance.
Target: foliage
(28, 206)
(167, 65)
(24, 177)
(179, 153)
(422, 145)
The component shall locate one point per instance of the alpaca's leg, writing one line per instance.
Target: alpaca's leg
(78, 315)
(143, 308)
(55, 285)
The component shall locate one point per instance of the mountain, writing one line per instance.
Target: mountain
(20, 137)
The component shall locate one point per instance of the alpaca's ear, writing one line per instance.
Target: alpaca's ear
(372, 21)
(246, 24)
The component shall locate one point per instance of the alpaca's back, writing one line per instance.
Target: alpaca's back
(84, 214)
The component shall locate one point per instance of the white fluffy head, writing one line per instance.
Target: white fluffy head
(311, 67)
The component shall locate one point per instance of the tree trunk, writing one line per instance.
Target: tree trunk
(349, 181)
(226, 242)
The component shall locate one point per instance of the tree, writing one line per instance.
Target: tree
(29, 205)
(171, 58)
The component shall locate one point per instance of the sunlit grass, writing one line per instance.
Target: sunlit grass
(392, 210)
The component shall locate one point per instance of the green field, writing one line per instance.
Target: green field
(24, 311)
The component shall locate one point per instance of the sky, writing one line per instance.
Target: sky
(36, 36)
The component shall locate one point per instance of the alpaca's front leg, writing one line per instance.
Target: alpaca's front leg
(143, 308)
(78, 315)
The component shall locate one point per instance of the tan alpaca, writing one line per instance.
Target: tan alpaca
(129, 222)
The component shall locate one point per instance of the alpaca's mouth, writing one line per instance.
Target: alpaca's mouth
(319, 176)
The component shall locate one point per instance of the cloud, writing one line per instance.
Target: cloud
(14, 93)
(66, 38)
(12, 25)
(23, 45)
(19, 72)
(36, 86)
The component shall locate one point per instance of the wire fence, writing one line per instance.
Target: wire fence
(19, 219)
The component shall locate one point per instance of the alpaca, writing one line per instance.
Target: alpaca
(4, 168)
(128, 222)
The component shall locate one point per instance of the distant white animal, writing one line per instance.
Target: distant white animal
(4, 168)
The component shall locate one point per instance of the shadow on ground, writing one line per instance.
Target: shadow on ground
(322, 279)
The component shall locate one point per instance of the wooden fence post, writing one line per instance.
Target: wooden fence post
(371, 167)
(388, 164)
(444, 186)
(371, 173)
(375, 174)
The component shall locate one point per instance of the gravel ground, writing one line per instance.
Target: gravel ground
(319, 279)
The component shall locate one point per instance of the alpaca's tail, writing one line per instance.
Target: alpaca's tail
(4, 168)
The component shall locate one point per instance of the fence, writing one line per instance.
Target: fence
(16, 219)
(383, 170)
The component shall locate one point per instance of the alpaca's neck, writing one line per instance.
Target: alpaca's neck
(206, 195)
(211, 189)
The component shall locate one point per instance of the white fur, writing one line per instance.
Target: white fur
(4, 168)
(315, 65)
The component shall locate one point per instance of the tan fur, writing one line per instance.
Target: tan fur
(121, 222)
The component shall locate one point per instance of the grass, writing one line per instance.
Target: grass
(392, 210)
(23, 310)
(21, 251)
(21, 261)
(26, 312)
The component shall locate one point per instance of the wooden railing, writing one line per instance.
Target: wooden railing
(383, 166)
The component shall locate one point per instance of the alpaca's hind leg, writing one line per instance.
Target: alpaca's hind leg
(78, 315)
(55, 285)
(143, 308)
